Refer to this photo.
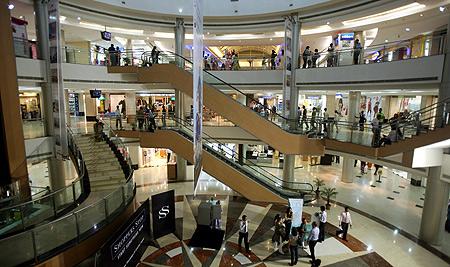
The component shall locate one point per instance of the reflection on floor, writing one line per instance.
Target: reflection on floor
(376, 246)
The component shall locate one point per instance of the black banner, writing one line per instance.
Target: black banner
(127, 245)
(163, 213)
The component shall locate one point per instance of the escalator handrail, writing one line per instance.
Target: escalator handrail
(253, 166)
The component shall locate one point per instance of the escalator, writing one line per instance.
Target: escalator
(240, 174)
(279, 133)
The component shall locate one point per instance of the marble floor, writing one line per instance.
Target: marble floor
(376, 241)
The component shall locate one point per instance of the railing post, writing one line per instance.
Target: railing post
(106, 209)
(22, 217)
(33, 239)
(77, 226)
(54, 205)
(73, 192)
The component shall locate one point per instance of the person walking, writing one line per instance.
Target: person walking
(313, 118)
(312, 241)
(326, 121)
(356, 51)
(118, 116)
(376, 129)
(362, 120)
(304, 117)
(151, 121)
(306, 57)
(112, 55)
(163, 115)
(243, 233)
(322, 221)
(330, 56)
(315, 57)
(287, 223)
(337, 118)
(301, 232)
(154, 55)
(273, 112)
(293, 246)
(140, 117)
(273, 56)
(278, 233)
(118, 55)
(345, 220)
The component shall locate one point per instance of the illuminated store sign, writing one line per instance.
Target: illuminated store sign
(347, 36)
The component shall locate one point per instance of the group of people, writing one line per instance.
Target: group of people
(295, 237)
(310, 57)
(114, 55)
(327, 122)
(146, 115)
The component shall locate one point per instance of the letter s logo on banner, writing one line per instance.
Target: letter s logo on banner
(163, 212)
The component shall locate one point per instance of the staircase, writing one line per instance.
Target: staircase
(103, 167)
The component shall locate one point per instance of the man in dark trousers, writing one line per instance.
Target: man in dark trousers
(243, 233)
(322, 222)
(345, 221)
(312, 241)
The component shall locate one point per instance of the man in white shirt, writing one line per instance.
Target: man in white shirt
(243, 233)
(118, 115)
(322, 222)
(344, 222)
(312, 241)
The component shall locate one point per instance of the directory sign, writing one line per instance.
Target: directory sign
(127, 245)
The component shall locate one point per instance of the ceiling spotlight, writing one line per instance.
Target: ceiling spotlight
(407, 29)
(421, 15)
(207, 33)
(328, 23)
(180, 10)
(442, 8)
(386, 40)
(271, 39)
(148, 38)
(10, 6)
(78, 18)
(20, 17)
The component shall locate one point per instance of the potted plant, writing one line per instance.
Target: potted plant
(318, 183)
(328, 193)
(126, 61)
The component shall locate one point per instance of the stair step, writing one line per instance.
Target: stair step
(107, 182)
(98, 160)
(104, 188)
(102, 177)
(103, 168)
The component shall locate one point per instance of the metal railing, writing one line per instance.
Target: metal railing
(46, 240)
(51, 204)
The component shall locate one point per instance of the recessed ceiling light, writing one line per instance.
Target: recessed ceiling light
(33, 40)
(328, 23)
(10, 6)
(207, 33)
(442, 8)
(148, 38)
(180, 10)
(20, 17)
(407, 29)
(271, 39)
(421, 14)
(78, 18)
(386, 40)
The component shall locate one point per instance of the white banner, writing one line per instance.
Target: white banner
(296, 205)
(198, 87)
(287, 54)
(59, 116)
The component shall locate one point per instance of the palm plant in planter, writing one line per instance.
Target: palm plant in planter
(328, 193)
(318, 183)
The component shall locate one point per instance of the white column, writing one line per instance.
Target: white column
(435, 208)
(347, 170)
(130, 100)
(354, 98)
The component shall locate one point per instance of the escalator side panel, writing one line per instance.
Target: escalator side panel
(240, 115)
(212, 165)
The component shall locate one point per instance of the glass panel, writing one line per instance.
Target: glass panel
(114, 201)
(37, 211)
(10, 220)
(9, 254)
(63, 198)
(91, 216)
(78, 189)
(128, 188)
(55, 234)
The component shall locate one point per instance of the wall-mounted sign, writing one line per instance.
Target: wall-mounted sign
(349, 36)
(163, 213)
(127, 245)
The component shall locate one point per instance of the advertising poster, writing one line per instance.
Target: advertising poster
(198, 87)
(127, 245)
(59, 116)
(287, 53)
(163, 213)
(296, 205)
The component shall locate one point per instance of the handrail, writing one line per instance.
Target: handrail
(44, 240)
(277, 182)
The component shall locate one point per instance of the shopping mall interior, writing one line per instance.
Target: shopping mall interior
(225, 133)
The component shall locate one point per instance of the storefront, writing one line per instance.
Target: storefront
(155, 157)
(30, 106)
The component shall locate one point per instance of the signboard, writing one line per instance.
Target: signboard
(198, 87)
(296, 205)
(163, 213)
(58, 102)
(105, 35)
(127, 245)
(347, 36)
